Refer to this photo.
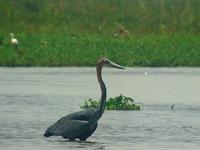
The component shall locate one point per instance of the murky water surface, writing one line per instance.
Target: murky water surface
(31, 99)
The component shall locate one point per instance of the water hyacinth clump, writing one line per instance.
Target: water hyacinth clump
(90, 103)
(118, 103)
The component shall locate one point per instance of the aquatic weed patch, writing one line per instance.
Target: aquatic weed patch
(118, 103)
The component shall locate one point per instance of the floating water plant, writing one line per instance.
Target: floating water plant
(118, 103)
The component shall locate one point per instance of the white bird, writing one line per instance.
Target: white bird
(15, 43)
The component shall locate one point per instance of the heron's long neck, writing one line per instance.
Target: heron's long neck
(102, 106)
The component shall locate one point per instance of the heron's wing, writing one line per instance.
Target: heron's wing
(80, 115)
(69, 128)
(71, 124)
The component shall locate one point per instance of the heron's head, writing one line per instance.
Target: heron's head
(109, 63)
(12, 35)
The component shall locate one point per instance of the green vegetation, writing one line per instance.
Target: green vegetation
(118, 103)
(85, 50)
(100, 16)
(77, 32)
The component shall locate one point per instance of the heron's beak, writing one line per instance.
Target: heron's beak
(114, 65)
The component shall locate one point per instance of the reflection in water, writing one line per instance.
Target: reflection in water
(33, 98)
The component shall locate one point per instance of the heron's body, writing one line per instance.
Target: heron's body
(14, 41)
(81, 124)
(78, 125)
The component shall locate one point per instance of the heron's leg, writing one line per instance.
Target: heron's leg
(83, 139)
(71, 139)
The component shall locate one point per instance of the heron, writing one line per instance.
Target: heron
(15, 43)
(82, 124)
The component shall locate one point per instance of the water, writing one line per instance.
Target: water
(31, 99)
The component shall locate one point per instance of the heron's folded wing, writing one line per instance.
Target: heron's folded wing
(69, 128)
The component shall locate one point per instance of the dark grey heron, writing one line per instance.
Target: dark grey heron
(80, 125)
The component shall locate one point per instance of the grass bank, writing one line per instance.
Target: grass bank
(84, 50)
